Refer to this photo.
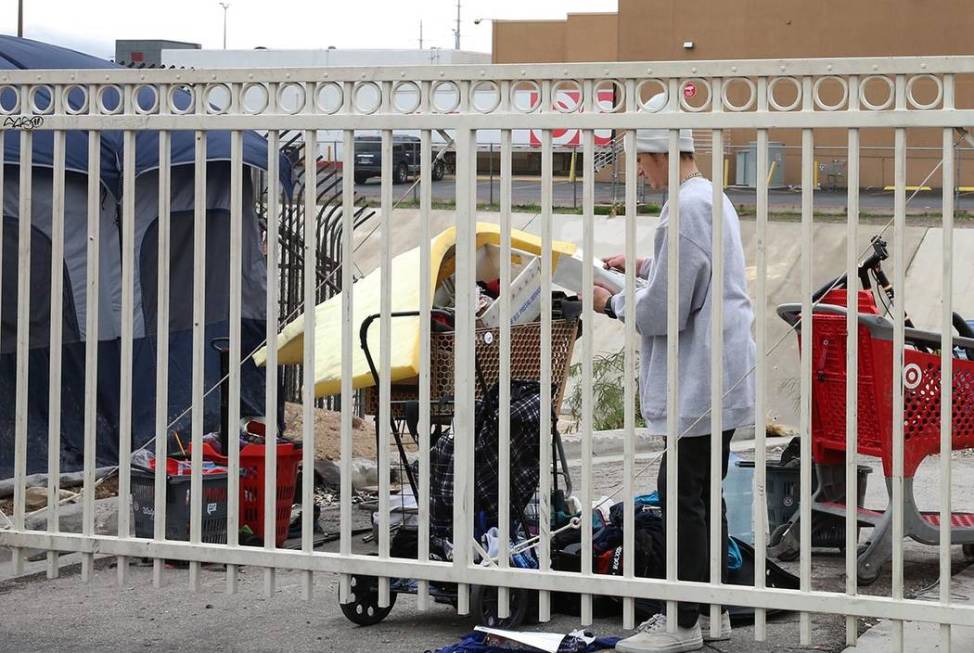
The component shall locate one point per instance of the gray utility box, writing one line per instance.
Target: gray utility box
(747, 165)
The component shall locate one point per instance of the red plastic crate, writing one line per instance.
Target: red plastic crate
(252, 468)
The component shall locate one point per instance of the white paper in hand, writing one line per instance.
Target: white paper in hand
(570, 270)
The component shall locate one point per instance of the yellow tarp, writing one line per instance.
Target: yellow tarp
(366, 301)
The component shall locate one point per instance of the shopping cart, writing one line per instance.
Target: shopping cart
(921, 415)
(363, 609)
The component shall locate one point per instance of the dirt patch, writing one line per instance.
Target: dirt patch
(328, 432)
(108, 488)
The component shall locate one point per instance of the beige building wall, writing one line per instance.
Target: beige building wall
(581, 37)
(655, 30)
(761, 29)
(528, 41)
(591, 37)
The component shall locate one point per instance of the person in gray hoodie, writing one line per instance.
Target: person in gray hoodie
(696, 298)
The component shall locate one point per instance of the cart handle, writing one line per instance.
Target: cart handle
(363, 334)
(880, 327)
(364, 341)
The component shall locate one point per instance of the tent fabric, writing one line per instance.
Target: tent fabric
(253, 326)
(405, 297)
(75, 249)
(182, 198)
(183, 152)
(107, 394)
(26, 54)
(18, 53)
(39, 306)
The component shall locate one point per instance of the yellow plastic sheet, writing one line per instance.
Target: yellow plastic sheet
(366, 301)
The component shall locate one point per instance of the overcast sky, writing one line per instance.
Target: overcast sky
(93, 25)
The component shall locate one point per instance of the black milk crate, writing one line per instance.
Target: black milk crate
(784, 497)
(213, 509)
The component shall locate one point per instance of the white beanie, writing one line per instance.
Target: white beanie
(657, 141)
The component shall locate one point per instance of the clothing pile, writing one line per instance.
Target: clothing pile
(649, 545)
(487, 641)
(525, 422)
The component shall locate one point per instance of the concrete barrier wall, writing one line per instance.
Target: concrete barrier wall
(922, 291)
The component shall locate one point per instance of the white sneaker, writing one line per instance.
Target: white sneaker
(725, 627)
(653, 638)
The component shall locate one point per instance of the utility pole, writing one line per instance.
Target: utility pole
(20, 18)
(420, 35)
(226, 6)
(456, 32)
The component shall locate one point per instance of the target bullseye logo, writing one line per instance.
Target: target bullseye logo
(912, 376)
(570, 101)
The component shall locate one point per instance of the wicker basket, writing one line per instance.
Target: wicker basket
(525, 365)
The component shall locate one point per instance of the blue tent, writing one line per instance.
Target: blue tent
(20, 54)
(25, 54)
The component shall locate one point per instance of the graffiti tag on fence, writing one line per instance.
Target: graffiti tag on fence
(26, 123)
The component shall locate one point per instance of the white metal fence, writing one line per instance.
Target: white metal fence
(756, 95)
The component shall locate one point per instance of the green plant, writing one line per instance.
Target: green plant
(608, 392)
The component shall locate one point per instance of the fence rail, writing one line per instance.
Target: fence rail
(710, 96)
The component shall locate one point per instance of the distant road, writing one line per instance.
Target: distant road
(527, 190)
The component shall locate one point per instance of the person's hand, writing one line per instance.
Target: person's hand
(600, 297)
(618, 262)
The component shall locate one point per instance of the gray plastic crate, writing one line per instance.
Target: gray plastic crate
(213, 508)
(784, 498)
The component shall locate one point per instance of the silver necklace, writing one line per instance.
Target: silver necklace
(690, 176)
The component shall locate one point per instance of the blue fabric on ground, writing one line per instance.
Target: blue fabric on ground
(734, 559)
(651, 499)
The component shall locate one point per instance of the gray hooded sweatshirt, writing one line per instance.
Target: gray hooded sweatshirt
(696, 299)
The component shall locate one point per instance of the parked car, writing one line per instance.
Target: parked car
(405, 159)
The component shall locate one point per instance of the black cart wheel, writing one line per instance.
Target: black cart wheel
(865, 576)
(483, 606)
(364, 609)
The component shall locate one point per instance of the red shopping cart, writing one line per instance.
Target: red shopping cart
(921, 415)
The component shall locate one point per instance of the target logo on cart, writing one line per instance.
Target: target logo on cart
(568, 101)
(912, 376)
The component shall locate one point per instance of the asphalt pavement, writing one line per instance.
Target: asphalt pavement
(64, 614)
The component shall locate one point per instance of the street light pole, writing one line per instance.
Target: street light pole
(20, 18)
(226, 6)
(457, 30)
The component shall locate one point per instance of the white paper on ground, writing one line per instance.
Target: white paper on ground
(548, 642)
